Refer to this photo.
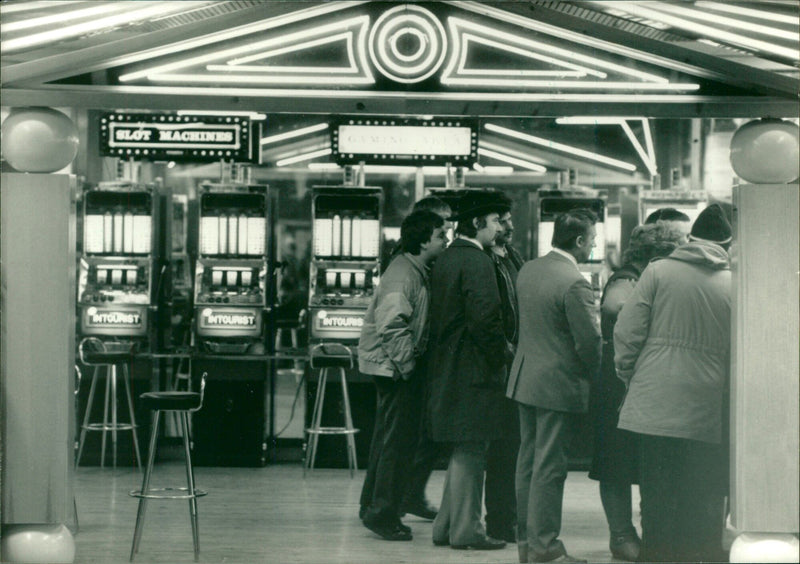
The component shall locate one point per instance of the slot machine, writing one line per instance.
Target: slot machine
(118, 275)
(233, 269)
(690, 202)
(345, 262)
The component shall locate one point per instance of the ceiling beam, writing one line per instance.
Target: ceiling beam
(394, 103)
(637, 46)
(141, 46)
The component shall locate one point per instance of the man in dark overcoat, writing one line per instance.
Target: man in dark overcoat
(466, 369)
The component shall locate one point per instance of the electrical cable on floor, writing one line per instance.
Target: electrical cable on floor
(294, 405)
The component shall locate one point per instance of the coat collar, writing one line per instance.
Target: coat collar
(467, 243)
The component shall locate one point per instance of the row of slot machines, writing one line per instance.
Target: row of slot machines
(122, 273)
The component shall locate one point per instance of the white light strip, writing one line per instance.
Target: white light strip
(6, 8)
(294, 133)
(319, 72)
(469, 37)
(560, 147)
(510, 152)
(325, 93)
(729, 22)
(740, 40)
(235, 33)
(324, 167)
(457, 23)
(648, 139)
(512, 160)
(255, 116)
(477, 166)
(759, 14)
(256, 79)
(304, 157)
(592, 120)
(159, 9)
(60, 17)
(291, 48)
(651, 166)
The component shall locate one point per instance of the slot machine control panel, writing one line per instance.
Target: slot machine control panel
(345, 260)
(117, 268)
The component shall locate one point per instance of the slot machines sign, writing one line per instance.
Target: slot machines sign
(176, 137)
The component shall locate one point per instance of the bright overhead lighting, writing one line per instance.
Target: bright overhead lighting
(333, 38)
(510, 152)
(592, 120)
(458, 24)
(512, 160)
(153, 10)
(731, 22)
(7, 8)
(252, 79)
(237, 53)
(650, 164)
(493, 170)
(637, 10)
(304, 157)
(759, 14)
(59, 18)
(293, 133)
(254, 116)
(560, 147)
(648, 139)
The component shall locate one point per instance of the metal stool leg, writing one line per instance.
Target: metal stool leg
(316, 419)
(105, 417)
(151, 456)
(114, 412)
(130, 411)
(348, 422)
(190, 481)
(85, 425)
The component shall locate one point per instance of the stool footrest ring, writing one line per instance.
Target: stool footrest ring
(109, 427)
(332, 431)
(164, 493)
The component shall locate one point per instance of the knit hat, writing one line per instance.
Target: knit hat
(712, 225)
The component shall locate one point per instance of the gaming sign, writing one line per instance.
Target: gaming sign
(397, 141)
(176, 137)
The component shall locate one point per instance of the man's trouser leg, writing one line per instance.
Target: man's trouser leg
(459, 517)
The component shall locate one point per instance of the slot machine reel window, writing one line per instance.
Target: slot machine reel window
(233, 225)
(117, 223)
(346, 227)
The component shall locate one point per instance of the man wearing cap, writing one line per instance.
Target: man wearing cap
(466, 369)
(672, 351)
(559, 353)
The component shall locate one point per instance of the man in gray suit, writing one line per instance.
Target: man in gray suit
(559, 352)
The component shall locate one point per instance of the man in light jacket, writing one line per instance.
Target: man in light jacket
(559, 352)
(672, 351)
(393, 338)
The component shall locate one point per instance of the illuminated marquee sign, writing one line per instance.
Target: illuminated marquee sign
(174, 137)
(230, 320)
(114, 318)
(405, 141)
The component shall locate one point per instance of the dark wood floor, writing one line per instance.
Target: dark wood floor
(273, 514)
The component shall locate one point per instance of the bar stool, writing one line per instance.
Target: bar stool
(109, 356)
(183, 403)
(326, 357)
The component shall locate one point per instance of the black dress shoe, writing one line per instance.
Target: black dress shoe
(486, 543)
(422, 509)
(403, 527)
(625, 548)
(445, 542)
(391, 532)
(508, 534)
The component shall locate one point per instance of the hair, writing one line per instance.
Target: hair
(666, 214)
(570, 225)
(651, 240)
(417, 229)
(432, 203)
(466, 228)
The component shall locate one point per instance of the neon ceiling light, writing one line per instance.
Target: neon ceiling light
(759, 14)
(510, 152)
(712, 32)
(560, 147)
(512, 160)
(648, 160)
(474, 32)
(729, 22)
(6, 8)
(592, 120)
(294, 133)
(347, 36)
(304, 157)
(232, 33)
(153, 9)
(59, 18)
(255, 116)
